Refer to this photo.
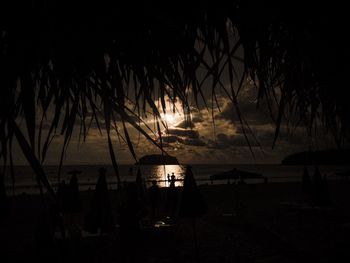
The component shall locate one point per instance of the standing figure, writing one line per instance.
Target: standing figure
(169, 180)
(172, 179)
(172, 197)
(153, 193)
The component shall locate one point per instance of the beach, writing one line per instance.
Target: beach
(271, 222)
(25, 180)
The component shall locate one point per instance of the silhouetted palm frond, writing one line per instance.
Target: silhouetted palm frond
(85, 61)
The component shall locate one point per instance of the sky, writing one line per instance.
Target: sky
(213, 136)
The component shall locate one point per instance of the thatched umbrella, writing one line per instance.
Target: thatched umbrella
(74, 194)
(192, 204)
(69, 195)
(306, 182)
(100, 214)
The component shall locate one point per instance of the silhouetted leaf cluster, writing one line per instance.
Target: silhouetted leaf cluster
(112, 61)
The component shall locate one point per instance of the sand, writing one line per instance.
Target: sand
(272, 222)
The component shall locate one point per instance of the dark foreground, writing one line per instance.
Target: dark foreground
(271, 222)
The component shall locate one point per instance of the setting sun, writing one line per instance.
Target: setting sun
(171, 119)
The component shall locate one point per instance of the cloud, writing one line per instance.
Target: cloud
(189, 124)
(224, 141)
(247, 104)
(193, 134)
(195, 142)
(191, 141)
(185, 124)
(169, 139)
(183, 136)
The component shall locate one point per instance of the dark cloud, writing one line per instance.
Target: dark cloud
(185, 124)
(234, 140)
(193, 134)
(197, 119)
(165, 145)
(169, 139)
(189, 124)
(215, 145)
(225, 141)
(183, 136)
(265, 134)
(191, 141)
(248, 108)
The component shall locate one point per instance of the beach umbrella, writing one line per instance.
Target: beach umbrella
(139, 183)
(141, 192)
(192, 204)
(63, 195)
(172, 197)
(320, 188)
(74, 205)
(100, 215)
(306, 182)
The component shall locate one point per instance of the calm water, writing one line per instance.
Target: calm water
(25, 178)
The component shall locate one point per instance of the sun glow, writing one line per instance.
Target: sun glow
(171, 119)
(172, 114)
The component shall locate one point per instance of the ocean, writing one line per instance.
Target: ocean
(25, 180)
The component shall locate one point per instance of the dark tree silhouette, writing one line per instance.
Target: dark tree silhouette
(114, 60)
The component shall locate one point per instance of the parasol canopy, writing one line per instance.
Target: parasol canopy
(100, 215)
(192, 204)
(74, 205)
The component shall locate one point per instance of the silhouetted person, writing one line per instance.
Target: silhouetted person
(130, 212)
(153, 194)
(169, 180)
(306, 182)
(172, 197)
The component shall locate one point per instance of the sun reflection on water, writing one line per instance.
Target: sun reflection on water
(161, 172)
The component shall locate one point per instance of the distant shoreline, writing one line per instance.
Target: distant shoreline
(321, 157)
